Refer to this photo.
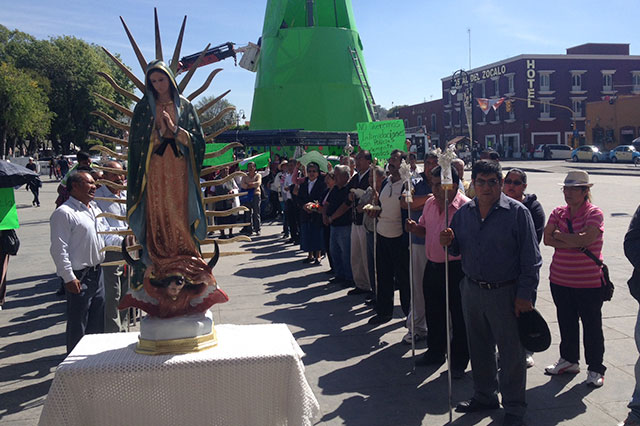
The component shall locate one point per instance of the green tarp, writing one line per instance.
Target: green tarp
(306, 78)
(227, 157)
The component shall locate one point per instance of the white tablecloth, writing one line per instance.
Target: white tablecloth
(254, 376)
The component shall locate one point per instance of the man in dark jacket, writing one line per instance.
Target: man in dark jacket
(632, 251)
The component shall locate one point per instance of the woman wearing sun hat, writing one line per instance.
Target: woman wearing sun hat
(576, 279)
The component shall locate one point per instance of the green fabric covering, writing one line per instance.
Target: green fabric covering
(306, 78)
(227, 157)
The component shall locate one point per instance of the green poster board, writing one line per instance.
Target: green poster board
(382, 137)
(8, 212)
(261, 160)
(227, 157)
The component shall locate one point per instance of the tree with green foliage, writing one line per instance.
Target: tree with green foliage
(24, 111)
(71, 66)
(229, 118)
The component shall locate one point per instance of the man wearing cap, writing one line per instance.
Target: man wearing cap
(496, 239)
(35, 184)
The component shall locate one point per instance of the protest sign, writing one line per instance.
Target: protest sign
(261, 160)
(8, 212)
(381, 137)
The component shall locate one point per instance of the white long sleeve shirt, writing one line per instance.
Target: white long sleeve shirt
(75, 242)
(119, 209)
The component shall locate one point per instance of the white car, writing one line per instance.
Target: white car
(553, 152)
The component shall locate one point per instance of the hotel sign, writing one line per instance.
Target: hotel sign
(481, 75)
(531, 80)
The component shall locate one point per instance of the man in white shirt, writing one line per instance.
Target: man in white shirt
(75, 249)
(115, 284)
(393, 246)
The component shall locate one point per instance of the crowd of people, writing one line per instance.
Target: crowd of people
(341, 212)
(356, 214)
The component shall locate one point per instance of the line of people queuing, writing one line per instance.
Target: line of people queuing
(491, 213)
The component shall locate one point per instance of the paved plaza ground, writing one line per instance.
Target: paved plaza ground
(361, 375)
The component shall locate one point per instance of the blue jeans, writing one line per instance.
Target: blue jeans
(634, 405)
(340, 249)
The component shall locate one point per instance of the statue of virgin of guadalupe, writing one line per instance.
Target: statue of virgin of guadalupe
(164, 201)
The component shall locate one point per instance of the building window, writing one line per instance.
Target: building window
(447, 118)
(545, 82)
(512, 114)
(496, 85)
(577, 109)
(419, 121)
(433, 122)
(545, 109)
(576, 82)
(635, 80)
(607, 82)
(406, 123)
(483, 89)
(511, 84)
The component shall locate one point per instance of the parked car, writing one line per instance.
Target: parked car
(588, 153)
(636, 144)
(552, 151)
(624, 153)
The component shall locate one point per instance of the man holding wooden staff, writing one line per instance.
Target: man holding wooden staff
(501, 260)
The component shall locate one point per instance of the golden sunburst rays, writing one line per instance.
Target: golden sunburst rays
(122, 125)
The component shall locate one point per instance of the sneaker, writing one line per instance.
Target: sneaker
(562, 366)
(594, 379)
(529, 361)
(407, 338)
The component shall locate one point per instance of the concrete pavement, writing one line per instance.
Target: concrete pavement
(360, 375)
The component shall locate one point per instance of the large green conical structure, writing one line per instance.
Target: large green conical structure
(306, 77)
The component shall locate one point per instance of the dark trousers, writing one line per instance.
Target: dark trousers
(291, 213)
(85, 311)
(36, 192)
(327, 243)
(584, 304)
(433, 285)
(393, 272)
(4, 263)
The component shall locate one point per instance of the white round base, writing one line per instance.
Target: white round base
(194, 325)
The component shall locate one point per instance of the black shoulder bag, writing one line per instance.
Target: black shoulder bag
(9, 242)
(607, 286)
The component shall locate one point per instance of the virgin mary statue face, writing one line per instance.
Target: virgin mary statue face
(160, 82)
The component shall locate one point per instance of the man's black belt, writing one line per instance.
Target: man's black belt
(492, 286)
(81, 273)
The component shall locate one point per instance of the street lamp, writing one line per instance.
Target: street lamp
(240, 113)
(459, 80)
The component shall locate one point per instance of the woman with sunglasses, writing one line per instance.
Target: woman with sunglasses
(515, 183)
(576, 279)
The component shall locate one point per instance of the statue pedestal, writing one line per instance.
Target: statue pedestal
(179, 335)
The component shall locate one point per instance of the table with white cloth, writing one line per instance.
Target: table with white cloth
(254, 376)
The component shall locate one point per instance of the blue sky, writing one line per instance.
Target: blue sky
(409, 45)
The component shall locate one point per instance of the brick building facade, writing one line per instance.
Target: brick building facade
(548, 96)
